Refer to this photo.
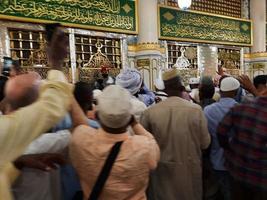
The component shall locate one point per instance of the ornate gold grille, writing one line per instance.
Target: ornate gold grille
(223, 7)
(229, 59)
(91, 70)
(23, 43)
(86, 48)
(28, 47)
(174, 52)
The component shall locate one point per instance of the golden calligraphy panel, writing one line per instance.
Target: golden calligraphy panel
(106, 15)
(195, 26)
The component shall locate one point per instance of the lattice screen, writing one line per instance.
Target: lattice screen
(23, 43)
(174, 51)
(230, 60)
(85, 48)
(26, 44)
(223, 7)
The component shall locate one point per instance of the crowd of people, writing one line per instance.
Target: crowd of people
(123, 141)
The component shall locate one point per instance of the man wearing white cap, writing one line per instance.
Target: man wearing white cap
(90, 149)
(214, 114)
(180, 129)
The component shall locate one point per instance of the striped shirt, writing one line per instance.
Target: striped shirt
(243, 135)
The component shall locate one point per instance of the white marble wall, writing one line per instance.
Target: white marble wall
(258, 16)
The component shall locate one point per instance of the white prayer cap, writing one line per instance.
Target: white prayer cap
(114, 107)
(96, 93)
(229, 84)
(193, 81)
(159, 84)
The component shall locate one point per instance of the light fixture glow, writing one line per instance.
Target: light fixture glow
(184, 4)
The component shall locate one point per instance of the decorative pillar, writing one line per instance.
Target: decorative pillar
(148, 52)
(258, 16)
(4, 42)
(148, 21)
(72, 55)
(255, 63)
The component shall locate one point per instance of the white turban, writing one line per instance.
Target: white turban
(130, 79)
(159, 84)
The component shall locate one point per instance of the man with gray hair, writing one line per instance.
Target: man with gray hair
(20, 127)
(137, 154)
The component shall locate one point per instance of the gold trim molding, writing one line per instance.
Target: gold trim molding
(255, 55)
(150, 46)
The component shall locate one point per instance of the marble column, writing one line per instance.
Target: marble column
(148, 24)
(256, 62)
(258, 16)
(148, 53)
(74, 74)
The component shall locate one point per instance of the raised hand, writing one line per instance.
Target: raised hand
(247, 84)
(57, 49)
(44, 162)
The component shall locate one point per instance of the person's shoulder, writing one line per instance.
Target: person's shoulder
(83, 130)
(82, 136)
(155, 107)
(242, 107)
(189, 105)
(140, 141)
(137, 103)
(210, 107)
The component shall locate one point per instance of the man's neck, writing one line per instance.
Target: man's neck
(173, 94)
(113, 131)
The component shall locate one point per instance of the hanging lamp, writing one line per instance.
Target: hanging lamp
(184, 4)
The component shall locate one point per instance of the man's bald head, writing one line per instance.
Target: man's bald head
(22, 90)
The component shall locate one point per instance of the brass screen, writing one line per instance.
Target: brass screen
(174, 51)
(86, 47)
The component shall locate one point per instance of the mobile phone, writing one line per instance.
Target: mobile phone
(7, 65)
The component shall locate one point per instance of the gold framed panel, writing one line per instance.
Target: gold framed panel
(72, 25)
(203, 41)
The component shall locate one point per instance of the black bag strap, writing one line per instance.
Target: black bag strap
(104, 174)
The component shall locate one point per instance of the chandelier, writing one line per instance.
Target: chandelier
(184, 4)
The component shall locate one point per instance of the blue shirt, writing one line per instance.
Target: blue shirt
(214, 114)
(66, 123)
(147, 96)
